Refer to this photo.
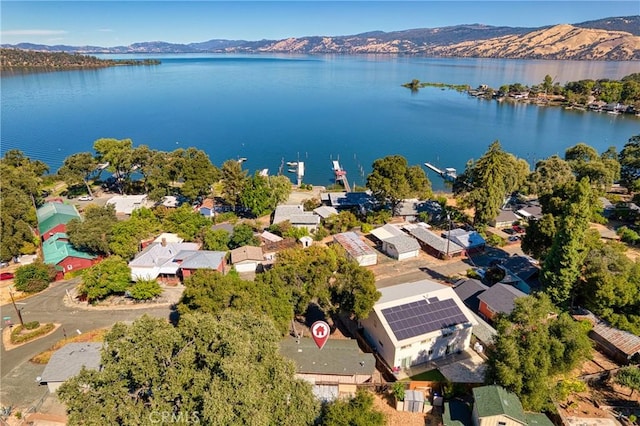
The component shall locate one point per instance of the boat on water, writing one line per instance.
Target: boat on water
(292, 163)
(292, 171)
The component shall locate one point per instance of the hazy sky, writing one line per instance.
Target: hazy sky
(115, 23)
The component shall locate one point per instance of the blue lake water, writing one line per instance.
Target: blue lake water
(312, 108)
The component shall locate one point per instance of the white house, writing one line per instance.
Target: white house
(126, 204)
(356, 248)
(396, 243)
(158, 260)
(416, 322)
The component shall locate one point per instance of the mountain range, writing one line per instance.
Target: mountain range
(616, 38)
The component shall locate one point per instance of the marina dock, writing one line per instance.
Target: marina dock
(449, 174)
(340, 175)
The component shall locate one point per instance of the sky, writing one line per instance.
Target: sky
(121, 23)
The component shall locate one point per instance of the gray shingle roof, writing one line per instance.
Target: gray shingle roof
(200, 259)
(337, 357)
(468, 291)
(432, 240)
(67, 361)
(501, 297)
(403, 243)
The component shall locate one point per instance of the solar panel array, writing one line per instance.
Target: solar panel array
(422, 316)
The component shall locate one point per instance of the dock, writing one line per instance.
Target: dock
(449, 174)
(298, 169)
(340, 175)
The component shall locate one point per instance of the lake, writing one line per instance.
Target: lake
(312, 108)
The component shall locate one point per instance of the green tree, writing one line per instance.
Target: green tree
(601, 170)
(256, 195)
(195, 171)
(213, 293)
(486, 182)
(145, 290)
(185, 222)
(20, 184)
(341, 222)
(629, 377)
(111, 276)
(532, 347)
(547, 84)
(354, 290)
(34, 277)
(539, 237)
(119, 155)
(234, 180)
(392, 180)
(195, 371)
(356, 411)
(77, 169)
(92, 233)
(125, 236)
(243, 235)
(549, 173)
(562, 266)
(630, 164)
(216, 240)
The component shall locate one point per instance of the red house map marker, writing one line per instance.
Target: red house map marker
(320, 331)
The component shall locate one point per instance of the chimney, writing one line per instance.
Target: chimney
(164, 242)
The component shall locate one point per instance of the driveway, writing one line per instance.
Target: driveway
(16, 372)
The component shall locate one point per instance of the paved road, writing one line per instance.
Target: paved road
(49, 306)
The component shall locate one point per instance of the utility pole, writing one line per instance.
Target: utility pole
(13, 302)
(448, 234)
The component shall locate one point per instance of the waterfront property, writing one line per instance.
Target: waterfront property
(126, 204)
(416, 322)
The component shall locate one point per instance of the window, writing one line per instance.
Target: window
(430, 351)
(502, 424)
(380, 343)
(405, 347)
(69, 267)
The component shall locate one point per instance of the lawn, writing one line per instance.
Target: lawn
(429, 376)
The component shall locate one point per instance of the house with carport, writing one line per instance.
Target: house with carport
(416, 322)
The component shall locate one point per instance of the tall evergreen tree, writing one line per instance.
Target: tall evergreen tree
(630, 162)
(563, 264)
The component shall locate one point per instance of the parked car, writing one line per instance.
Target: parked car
(6, 276)
(513, 238)
(85, 198)
(509, 231)
(519, 229)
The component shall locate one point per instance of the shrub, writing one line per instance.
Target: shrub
(495, 241)
(34, 277)
(398, 391)
(18, 337)
(145, 290)
(627, 235)
(32, 325)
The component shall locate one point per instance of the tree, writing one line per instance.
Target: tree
(19, 194)
(549, 173)
(354, 290)
(539, 237)
(211, 292)
(392, 180)
(532, 347)
(93, 233)
(196, 172)
(125, 236)
(145, 290)
(119, 155)
(629, 377)
(547, 84)
(585, 162)
(486, 182)
(77, 169)
(356, 411)
(630, 164)
(223, 370)
(562, 266)
(216, 240)
(34, 277)
(256, 195)
(185, 222)
(341, 222)
(243, 236)
(234, 180)
(111, 276)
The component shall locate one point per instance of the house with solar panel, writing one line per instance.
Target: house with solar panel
(416, 322)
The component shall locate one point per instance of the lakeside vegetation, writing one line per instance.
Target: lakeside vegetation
(16, 59)
(599, 95)
(531, 352)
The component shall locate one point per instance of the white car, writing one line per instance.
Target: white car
(85, 198)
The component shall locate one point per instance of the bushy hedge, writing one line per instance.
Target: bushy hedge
(32, 325)
(18, 337)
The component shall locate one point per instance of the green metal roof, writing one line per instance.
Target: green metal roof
(54, 214)
(495, 401)
(56, 249)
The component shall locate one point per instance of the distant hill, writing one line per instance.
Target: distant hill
(616, 38)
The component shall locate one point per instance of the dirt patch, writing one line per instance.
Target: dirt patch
(386, 404)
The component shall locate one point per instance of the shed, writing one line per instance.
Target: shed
(67, 362)
(356, 248)
(622, 346)
(401, 247)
